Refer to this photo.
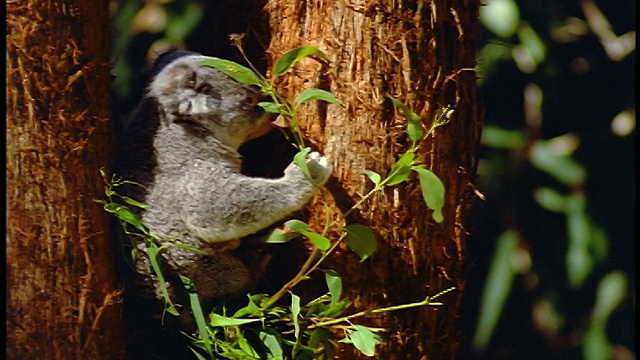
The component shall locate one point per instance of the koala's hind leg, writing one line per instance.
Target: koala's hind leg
(219, 275)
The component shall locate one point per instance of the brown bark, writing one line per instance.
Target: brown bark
(423, 53)
(62, 296)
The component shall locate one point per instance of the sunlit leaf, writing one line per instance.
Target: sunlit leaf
(373, 176)
(316, 94)
(401, 170)
(286, 61)
(234, 70)
(432, 191)
(501, 17)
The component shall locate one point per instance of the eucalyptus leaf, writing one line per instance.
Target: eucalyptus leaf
(334, 284)
(286, 61)
(373, 176)
(222, 321)
(400, 170)
(300, 159)
(363, 339)
(414, 123)
(234, 70)
(316, 94)
(432, 192)
(295, 313)
(271, 107)
(360, 240)
(319, 241)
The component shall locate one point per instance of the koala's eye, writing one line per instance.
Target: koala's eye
(204, 88)
(250, 102)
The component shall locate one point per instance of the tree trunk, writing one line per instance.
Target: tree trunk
(423, 53)
(62, 295)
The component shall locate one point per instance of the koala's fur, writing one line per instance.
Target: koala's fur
(182, 146)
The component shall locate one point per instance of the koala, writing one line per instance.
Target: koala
(182, 147)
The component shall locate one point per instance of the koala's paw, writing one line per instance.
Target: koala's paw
(319, 168)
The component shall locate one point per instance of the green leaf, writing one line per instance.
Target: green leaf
(295, 313)
(271, 107)
(222, 321)
(296, 225)
(363, 339)
(334, 284)
(414, 123)
(432, 192)
(317, 240)
(278, 236)
(496, 288)
(130, 201)
(500, 17)
(361, 240)
(234, 70)
(500, 138)
(300, 159)
(316, 94)
(198, 314)
(153, 251)
(124, 214)
(270, 339)
(286, 61)
(400, 170)
(373, 176)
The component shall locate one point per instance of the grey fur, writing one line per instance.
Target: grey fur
(191, 173)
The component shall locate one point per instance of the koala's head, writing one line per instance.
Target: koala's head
(200, 96)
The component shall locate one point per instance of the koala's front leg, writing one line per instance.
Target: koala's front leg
(241, 205)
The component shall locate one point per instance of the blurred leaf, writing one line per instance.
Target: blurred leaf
(611, 291)
(361, 240)
(183, 24)
(585, 242)
(530, 40)
(499, 138)
(432, 191)
(550, 157)
(550, 199)
(496, 289)
(500, 17)
(286, 61)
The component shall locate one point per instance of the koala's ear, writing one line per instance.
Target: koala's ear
(170, 80)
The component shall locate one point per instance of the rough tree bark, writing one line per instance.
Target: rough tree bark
(62, 296)
(423, 53)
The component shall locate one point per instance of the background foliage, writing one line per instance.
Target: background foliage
(551, 265)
